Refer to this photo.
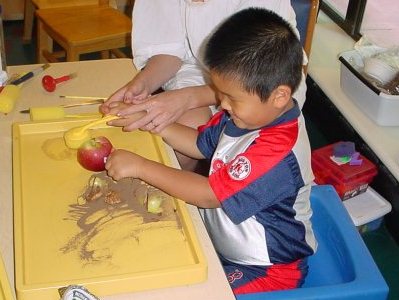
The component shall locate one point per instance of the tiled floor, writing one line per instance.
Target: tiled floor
(17, 53)
(381, 245)
(386, 255)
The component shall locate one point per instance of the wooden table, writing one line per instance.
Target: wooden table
(94, 78)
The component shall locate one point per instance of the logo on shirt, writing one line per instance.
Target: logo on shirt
(233, 276)
(216, 165)
(240, 168)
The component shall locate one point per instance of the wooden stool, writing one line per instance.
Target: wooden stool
(82, 29)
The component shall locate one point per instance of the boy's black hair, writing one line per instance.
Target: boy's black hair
(258, 48)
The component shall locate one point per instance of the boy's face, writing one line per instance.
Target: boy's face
(247, 110)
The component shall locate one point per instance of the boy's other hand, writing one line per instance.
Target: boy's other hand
(122, 164)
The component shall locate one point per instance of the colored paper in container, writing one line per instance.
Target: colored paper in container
(344, 149)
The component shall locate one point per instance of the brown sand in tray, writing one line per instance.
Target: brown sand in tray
(107, 204)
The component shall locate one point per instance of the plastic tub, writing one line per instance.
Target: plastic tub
(382, 108)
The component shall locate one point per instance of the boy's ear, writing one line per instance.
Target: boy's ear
(281, 96)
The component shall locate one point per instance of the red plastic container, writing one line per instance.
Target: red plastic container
(348, 180)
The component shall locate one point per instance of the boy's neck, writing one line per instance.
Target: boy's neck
(290, 105)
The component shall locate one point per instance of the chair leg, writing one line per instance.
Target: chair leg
(44, 42)
(118, 53)
(72, 54)
(105, 54)
(50, 57)
(29, 13)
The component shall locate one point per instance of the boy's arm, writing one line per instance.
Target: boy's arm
(187, 186)
(183, 139)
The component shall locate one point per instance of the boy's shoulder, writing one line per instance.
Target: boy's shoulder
(220, 118)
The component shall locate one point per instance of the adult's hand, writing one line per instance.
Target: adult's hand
(135, 90)
(188, 106)
(158, 70)
(162, 109)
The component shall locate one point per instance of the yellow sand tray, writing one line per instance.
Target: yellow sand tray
(112, 249)
(5, 288)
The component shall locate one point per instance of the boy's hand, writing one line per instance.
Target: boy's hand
(121, 164)
(127, 119)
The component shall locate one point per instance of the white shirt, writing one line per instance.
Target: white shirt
(181, 27)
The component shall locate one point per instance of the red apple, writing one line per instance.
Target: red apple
(93, 153)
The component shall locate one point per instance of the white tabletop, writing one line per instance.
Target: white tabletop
(324, 68)
(94, 78)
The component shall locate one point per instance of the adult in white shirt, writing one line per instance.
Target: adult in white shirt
(167, 39)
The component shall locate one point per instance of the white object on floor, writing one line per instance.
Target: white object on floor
(367, 207)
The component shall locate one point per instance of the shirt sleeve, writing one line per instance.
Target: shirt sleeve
(209, 134)
(157, 29)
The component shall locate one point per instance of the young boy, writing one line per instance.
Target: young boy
(256, 199)
(167, 38)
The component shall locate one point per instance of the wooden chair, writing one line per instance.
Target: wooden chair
(306, 16)
(81, 29)
(31, 5)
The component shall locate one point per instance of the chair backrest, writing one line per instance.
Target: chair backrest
(41, 4)
(306, 17)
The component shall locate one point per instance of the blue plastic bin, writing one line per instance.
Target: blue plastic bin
(342, 267)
